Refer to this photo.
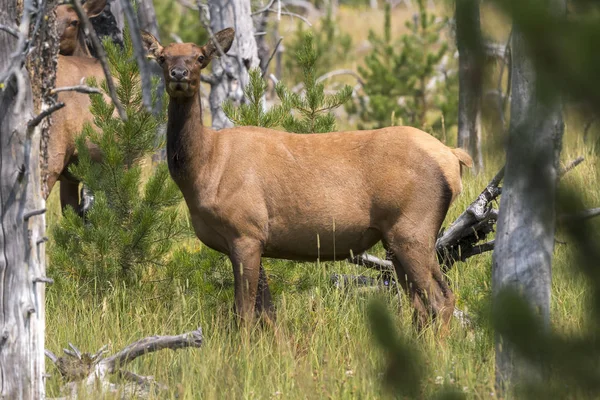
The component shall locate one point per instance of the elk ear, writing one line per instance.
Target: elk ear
(224, 38)
(93, 8)
(151, 44)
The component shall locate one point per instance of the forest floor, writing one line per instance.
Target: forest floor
(321, 345)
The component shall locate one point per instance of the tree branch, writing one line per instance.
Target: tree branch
(581, 215)
(78, 88)
(264, 71)
(291, 14)
(38, 118)
(101, 53)
(570, 166)
(9, 30)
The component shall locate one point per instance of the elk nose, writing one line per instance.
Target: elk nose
(179, 73)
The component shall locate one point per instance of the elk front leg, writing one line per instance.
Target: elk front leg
(245, 259)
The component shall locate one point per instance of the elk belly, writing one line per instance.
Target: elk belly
(309, 243)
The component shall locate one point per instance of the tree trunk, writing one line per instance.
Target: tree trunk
(22, 205)
(147, 17)
(470, 78)
(525, 239)
(231, 72)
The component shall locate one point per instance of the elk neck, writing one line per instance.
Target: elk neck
(185, 134)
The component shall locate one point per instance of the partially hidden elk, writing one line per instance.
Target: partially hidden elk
(254, 192)
(75, 64)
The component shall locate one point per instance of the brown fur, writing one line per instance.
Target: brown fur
(255, 192)
(68, 26)
(74, 65)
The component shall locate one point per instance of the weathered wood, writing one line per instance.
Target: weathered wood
(147, 17)
(522, 257)
(89, 369)
(22, 205)
(470, 79)
(231, 71)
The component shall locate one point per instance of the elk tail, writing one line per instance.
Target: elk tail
(463, 157)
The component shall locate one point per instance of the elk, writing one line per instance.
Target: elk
(68, 26)
(74, 65)
(254, 192)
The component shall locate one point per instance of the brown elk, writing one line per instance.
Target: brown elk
(68, 26)
(74, 65)
(255, 192)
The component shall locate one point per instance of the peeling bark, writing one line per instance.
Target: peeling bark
(231, 71)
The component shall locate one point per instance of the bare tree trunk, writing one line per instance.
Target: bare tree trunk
(522, 257)
(231, 71)
(470, 78)
(22, 205)
(147, 17)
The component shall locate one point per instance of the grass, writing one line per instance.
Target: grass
(321, 345)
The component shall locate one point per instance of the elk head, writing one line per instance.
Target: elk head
(72, 41)
(182, 62)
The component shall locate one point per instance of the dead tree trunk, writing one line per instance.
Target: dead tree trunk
(522, 257)
(230, 72)
(22, 205)
(147, 17)
(470, 78)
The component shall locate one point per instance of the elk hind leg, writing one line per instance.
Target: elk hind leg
(264, 303)
(419, 272)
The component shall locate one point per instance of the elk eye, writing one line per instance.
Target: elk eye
(74, 23)
(201, 58)
(161, 59)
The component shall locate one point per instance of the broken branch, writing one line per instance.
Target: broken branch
(77, 88)
(78, 366)
(38, 118)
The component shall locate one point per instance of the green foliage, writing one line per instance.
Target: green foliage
(332, 47)
(132, 226)
(399, 76)
(253, 112)
(175, 18)
(311, 110)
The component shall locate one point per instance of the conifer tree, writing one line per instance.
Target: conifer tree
(131, 225)
(330, 43)
(398, 76)
(310, 112)
(253, 113)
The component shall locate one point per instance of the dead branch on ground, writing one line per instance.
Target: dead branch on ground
(84, 369)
